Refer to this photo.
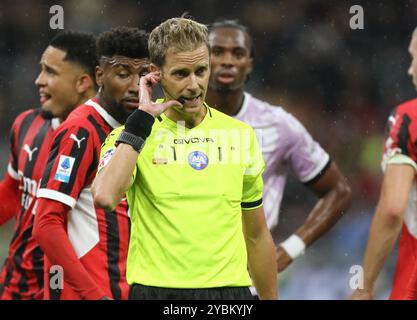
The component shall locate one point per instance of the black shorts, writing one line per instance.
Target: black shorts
(141, 292)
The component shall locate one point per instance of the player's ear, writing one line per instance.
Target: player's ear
(84, 83)
(153, 67)
(99, 76)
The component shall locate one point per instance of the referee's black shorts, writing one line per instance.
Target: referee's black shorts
(141, 292)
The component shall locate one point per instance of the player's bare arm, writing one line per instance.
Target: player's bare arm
(335, 197)
(386, 224)
(115, 178)
(260, 247)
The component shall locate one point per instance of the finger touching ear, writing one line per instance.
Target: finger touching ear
(153, 68)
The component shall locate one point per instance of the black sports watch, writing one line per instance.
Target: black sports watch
(130, 139)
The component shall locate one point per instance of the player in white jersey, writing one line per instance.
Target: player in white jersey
(286, 144)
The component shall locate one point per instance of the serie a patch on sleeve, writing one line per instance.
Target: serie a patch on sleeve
(65, 165)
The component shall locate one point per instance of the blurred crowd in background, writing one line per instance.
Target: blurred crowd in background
(341, 83)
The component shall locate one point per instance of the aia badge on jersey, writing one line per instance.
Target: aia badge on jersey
(65, 165)
(198, 160)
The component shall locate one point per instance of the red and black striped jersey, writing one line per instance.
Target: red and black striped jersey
(401, 148)
(99, 239)
(402, 131)
(30, 137)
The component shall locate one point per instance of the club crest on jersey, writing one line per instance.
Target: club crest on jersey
(198, 160)
(65, 165)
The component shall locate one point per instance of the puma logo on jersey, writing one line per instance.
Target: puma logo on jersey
(78, 141)
(29, 152)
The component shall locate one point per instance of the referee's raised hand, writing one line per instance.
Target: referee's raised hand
(146, 84)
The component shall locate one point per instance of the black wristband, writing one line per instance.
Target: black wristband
(139, 123)
(130, 139)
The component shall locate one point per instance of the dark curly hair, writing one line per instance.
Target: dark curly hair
(123, 41)
(80, 47)
(235, 24)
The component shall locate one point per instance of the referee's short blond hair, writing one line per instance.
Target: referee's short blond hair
(176, 34)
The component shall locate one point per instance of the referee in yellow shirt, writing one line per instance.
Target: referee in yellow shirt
(193, 180)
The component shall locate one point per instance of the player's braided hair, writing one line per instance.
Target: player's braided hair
(178, 34)
(123, 41)
(235, 24)
(80, 48)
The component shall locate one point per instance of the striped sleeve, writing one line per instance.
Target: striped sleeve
(17, 133)
(71, 165)
(13, 159)
(400, 145)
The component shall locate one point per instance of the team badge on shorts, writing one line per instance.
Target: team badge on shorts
(63, 172)
(198, 160)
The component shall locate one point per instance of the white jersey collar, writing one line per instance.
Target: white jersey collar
(55, 123)
(109, 119)
(245, 104)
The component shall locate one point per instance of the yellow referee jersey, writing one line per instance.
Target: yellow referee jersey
(189, 189)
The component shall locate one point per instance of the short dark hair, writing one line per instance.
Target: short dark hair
(123, 41)
(235, 24)
(80, 47)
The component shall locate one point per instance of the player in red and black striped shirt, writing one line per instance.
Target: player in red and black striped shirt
(65, 81)
(89, 244)
(396, 213)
